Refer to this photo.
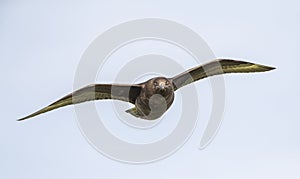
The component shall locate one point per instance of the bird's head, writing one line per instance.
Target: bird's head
(162, 85)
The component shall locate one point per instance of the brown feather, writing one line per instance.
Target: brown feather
(127, 93)
(217, 67)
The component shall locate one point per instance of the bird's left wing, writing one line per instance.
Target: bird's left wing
(217, 67)
(127, 93)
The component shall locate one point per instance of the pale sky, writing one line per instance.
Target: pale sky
(42, 43)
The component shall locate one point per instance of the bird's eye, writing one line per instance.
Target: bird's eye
(155, 83)
(167, 83)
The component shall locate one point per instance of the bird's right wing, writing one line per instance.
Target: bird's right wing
(217, 67)
(126, 93)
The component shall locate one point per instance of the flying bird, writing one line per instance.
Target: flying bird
(153, 97)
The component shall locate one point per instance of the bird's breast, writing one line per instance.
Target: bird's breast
(154, 106)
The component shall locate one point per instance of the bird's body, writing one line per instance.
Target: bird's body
(153, 97)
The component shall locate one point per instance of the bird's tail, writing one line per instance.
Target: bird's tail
(133, 111)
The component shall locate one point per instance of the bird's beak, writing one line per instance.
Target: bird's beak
(162, 86)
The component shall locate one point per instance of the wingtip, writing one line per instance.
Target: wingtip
(267, 68)
(258, 66)
(21, 119)
(272, 68)
(26, 117)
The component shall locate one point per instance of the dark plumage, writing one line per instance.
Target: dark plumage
(153, 97)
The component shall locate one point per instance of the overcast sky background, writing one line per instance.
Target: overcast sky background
(41, 43)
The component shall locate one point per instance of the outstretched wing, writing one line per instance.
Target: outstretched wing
(126, 93)
(217, 67)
